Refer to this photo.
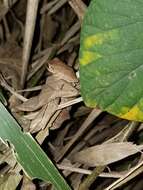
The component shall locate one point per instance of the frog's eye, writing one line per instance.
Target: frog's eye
(50, 67)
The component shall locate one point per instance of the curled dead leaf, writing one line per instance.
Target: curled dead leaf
(105, 154)
(50, 91)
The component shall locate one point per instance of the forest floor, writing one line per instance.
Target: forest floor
(45, 99)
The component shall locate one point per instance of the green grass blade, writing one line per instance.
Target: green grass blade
(34, 161)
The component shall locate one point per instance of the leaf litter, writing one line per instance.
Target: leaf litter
(35, 92)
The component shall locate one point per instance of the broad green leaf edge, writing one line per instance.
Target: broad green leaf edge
(29, 154)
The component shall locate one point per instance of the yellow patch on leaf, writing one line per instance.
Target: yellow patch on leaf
(87, 57)
(134, 114)
(100, 38)
(93, 40)
(90, 103)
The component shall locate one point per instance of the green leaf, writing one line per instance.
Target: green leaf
(34, 161)
(111, 57)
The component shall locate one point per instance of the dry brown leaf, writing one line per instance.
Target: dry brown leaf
(48, 32)
(63, 116)
(48, 94)
(56, 88)
(44, 116)
(10, 67)
(30, 105)
(105, 154)
(10, 61)
(46, 113)
(10, 49)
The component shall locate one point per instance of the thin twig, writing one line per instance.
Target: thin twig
(127, 177)
(70, 103)
(35, 88)
(11, 90)
(57, 6)
(88, 172)
(32, 7)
